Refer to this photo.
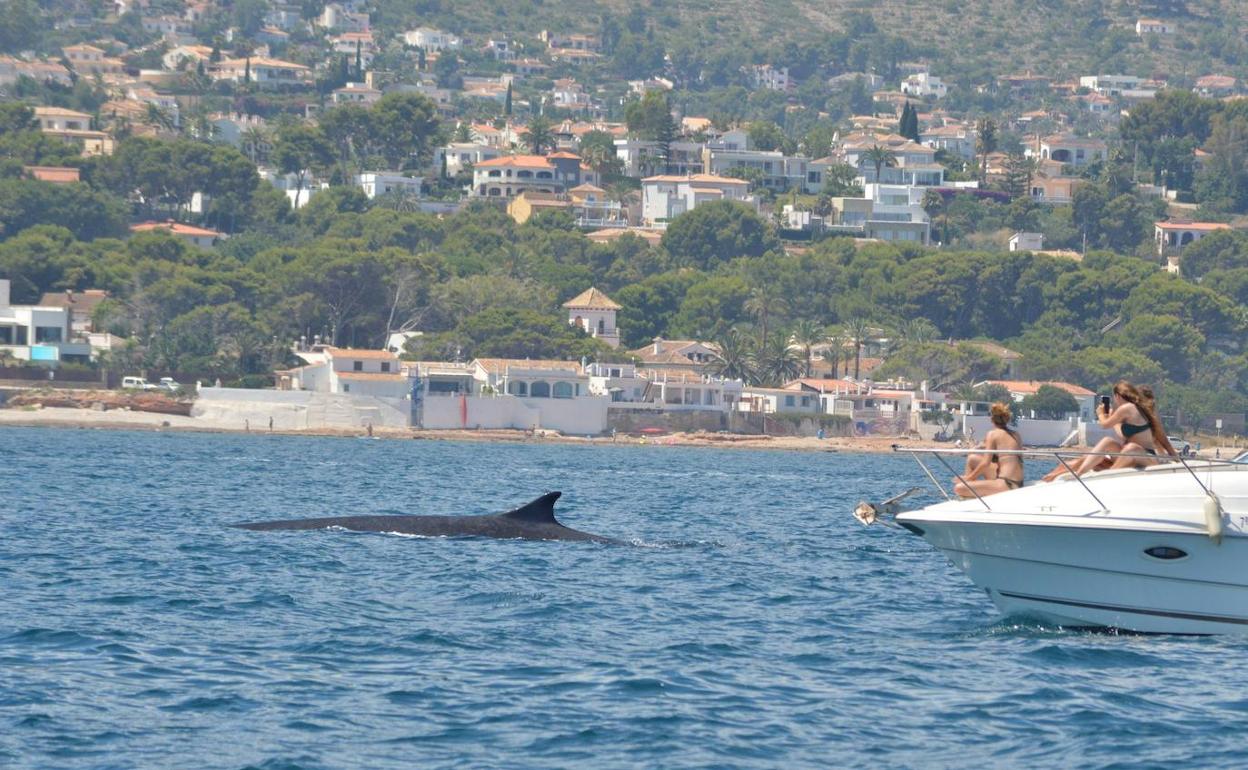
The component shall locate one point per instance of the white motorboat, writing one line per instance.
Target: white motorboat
(1157, 550)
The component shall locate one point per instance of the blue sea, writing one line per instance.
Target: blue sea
(753, 623)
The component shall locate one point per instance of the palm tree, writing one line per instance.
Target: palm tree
(879, 156)
(986, 130)
(836, 340)
(776, 361)
(160, 117)
(858, 330)
(806, 335)
(539, 135)
(734, 358)
(763, 303)
(256, 140)
(915, 330)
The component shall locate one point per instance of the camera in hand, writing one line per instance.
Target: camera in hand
(1105, 403)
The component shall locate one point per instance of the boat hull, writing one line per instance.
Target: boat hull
(1088, 577)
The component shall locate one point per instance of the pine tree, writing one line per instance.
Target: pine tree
(359, 62)
(507, 103)
(247, 71)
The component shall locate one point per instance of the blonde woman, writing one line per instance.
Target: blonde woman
(1008, 467)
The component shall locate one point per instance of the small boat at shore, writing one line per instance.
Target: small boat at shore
(1162, 549)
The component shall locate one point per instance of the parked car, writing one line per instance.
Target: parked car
(1182, 447)
(169, 384)
(137, 383)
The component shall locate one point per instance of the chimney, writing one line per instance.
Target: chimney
(658, 343)
(4, 292)
(69, 296)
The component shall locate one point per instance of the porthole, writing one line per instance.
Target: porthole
(1165, 552)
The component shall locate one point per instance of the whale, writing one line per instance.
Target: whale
(532, 521)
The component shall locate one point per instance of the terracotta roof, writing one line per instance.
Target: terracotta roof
(373, 376)
(1197, 226)
(501, 365)
(78, 300)
(258, 61)
(587, 188)
(516, 160)
(1030, 387)
(177, 228)
(825, 385)
(704, 178)
(592, 299)
(55, 174)
(565, 155)
(652, 237)
(59, 112)
(362, 354)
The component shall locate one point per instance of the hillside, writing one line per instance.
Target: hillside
(985, 37)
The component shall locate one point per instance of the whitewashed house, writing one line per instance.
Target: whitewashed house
(594, 313)
(37, 333)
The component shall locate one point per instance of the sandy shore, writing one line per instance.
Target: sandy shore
(59, 417)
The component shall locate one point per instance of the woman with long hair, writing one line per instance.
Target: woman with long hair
(1133, 417)
(1008, 467)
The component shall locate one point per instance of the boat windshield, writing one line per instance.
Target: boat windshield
(1242, 458)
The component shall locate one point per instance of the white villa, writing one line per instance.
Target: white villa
(264, 72)
(924, 86)
(355, 371)
(431, 39)
(663, 198)
(39, 333)
(375, 183)
(594, 312)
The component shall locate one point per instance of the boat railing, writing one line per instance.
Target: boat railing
(1060, 455)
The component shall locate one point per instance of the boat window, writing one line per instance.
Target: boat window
(1165, 552)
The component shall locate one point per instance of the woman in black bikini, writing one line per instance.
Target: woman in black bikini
(1009, 467)
(1139, 433)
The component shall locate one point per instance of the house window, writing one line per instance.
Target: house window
(563, 390)
(540, 390)
(789, 401)
(518, 388)
(357, 366)
(6, 335)
(385, 366)
(48, 334)
(346, 387)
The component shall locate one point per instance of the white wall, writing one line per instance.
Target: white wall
(586, 415)
(298, 410)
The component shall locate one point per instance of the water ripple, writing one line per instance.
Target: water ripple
(751, 623)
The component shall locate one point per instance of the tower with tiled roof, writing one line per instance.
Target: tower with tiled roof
(594, 312)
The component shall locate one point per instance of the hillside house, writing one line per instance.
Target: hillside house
(663, 198)
(431, 39)
(1153, 27)
(924, 86)
(200, 237)
(39, 333)
(262, 71)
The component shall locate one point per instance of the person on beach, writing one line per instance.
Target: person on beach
(1138, 433)
(1006, 469)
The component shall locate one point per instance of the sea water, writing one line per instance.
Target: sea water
(753, 623)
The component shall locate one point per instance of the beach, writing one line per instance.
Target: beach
(121, 419)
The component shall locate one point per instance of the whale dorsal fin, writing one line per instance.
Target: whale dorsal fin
(540, 511)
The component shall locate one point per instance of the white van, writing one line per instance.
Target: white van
(136, 383)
